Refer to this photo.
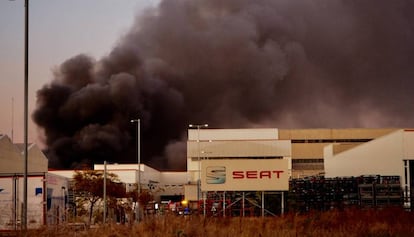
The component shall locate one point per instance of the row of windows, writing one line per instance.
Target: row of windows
(330, 140)
(294, 161)
(239, 158)
(309, 166)
(302, 161)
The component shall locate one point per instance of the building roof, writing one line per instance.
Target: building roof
(12, 160)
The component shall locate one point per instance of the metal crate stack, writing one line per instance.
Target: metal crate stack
(380, 191)
(388, 192)
(319, 193)
(366, 190)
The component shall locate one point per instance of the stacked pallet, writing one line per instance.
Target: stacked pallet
(319, 193)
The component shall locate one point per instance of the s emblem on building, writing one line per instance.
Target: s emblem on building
(216, 174)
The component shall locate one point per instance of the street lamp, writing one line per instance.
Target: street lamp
(104, 194)
(205, 156)
(198, 126)
(138, 121)
(26, 111)
(63, 213)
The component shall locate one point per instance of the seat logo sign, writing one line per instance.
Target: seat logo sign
(216, 174)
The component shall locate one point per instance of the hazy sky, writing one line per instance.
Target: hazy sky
(59, 29)
(228, 63)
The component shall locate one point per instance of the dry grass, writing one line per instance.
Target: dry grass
(389, 222)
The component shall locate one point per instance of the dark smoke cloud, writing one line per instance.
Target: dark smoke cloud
(234, 63)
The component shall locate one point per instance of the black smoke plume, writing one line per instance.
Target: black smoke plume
(232, 64)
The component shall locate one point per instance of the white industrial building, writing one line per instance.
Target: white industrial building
(45, 192)
(163, 185)
(220, 161)
(159, 182)
(391, 154)
(210, 144)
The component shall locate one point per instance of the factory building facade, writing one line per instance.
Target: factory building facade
(163, 185)
(308, 152)
(389, 155)
(227, 166)
(307, 145)
(304, 148)
(45, 192)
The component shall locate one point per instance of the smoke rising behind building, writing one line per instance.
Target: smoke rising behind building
(231, 64)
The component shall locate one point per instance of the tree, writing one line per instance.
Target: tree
(89, 184)
(144, 198)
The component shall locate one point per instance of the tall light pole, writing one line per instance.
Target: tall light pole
(26, 113)
(104, 194)
(26, 110)
(138, 147)
(198, 126)
(63, 214)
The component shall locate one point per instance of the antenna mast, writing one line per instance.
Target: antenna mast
(12, 120)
